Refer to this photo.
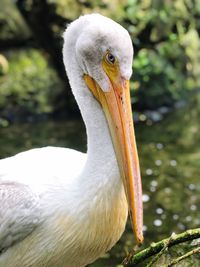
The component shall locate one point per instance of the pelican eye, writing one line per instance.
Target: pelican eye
(110, 58)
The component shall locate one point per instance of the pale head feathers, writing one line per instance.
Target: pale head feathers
(86, 41)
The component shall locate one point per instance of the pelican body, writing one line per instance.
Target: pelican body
(63, 208)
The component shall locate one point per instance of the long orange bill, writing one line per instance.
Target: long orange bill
(117, 108)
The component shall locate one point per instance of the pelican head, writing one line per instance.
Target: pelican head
(103, 55)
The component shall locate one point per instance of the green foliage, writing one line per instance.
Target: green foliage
(165, 35)
(3, 65)
(166, 38)
(30, 83)
(71, 9)
(12, 25)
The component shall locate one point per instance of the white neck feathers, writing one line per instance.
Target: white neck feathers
(100, 152)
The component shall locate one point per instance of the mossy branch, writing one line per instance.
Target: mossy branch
(186, 255)
(158, 247)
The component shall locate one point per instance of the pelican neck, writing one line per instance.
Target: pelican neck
(101, 158)
(99, 142)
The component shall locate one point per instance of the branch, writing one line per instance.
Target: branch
(160, 253)
(186, 255)
(166, 243)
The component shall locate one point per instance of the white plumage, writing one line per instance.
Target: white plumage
(60, 207)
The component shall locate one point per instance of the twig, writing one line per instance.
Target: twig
(128, 258)
(157, 247)
(186, 255)
(166, 245)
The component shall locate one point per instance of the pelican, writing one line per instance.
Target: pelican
(63, 208)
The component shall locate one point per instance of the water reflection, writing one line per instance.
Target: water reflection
(170, 160)
(157, 222)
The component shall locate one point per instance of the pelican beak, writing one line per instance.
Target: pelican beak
(116, 104)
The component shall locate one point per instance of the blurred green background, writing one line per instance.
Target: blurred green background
(37, 108)
(165, 35)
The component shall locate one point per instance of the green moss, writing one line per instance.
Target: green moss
(30, 85)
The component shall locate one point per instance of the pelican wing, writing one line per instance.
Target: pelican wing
(25, 179)
(19, 213)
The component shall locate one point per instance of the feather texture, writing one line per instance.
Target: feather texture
(67, 208)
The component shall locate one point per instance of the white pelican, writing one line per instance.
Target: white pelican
(63, 208)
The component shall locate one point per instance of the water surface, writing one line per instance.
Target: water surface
(170, 161)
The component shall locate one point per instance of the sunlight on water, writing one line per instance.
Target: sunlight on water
(169, 157)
